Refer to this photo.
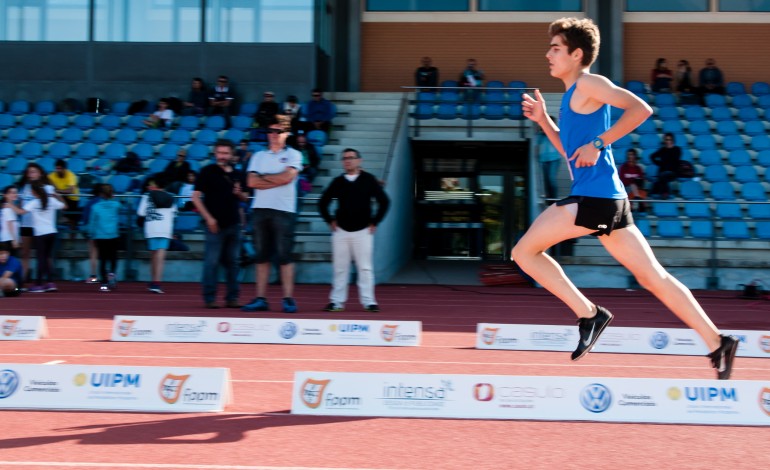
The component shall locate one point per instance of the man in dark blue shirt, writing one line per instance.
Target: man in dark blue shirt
(10, 272)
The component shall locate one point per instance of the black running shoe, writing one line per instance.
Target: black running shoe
(722, 357)
(590, 329)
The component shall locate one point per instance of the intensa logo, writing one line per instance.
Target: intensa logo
(388, 332)
(488, 335)
(764, 400)
(124, 327)
(483, 392)
(171, 387)
(312, 391)
(764, 343)
(9, 326)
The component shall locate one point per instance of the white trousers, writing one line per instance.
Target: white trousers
(355, 247)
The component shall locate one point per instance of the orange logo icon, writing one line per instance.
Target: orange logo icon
(171, 387)
(764, 343)
(124, 327)
(388, 332)
(483, 392)
(764, 400)
(9, 326)
(312, 392)
(488, 335)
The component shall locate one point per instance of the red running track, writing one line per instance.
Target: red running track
(256, 432)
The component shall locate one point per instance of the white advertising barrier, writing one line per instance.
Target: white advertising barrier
(114, 388)
(678, 341)
(267, 330)
(540, 398)
(17, 328)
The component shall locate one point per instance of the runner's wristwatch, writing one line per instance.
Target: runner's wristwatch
(598, 143)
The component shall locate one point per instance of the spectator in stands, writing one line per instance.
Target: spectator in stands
(177, 170)
(272, 173)
(710, 80)
(353, 226)
(318, 113)
(266, 111)
(163, 117)
(9, 230)
(128, 164)
(103, 229)
(667, 158)
(185, 192)
(426, 74)
(550, 162)
(311, 161)
(66, 184)
(242, 155)
(471, 77)
(661, 77)
(217, 197)
(10, 272)
(156, 210)
(632, 176)
(197, 99)
(32, 173)
(221, 99)
(93, 254)
(683, 76)
(292, 109)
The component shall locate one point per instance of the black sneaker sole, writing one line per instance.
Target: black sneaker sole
(729, 357)
(595, 339)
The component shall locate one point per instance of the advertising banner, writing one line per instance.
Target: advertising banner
(114, 388)
(267, 330)
(679, 341)
(20, 328)
(637, 400)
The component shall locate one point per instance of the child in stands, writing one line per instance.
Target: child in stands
(103, 229)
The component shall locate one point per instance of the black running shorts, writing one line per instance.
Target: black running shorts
(601, 214)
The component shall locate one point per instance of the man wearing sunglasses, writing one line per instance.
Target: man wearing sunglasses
(272, 173)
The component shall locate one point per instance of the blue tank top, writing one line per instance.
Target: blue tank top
(577, 130)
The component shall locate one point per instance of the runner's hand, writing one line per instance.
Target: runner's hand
(586, 155)
(533, 108)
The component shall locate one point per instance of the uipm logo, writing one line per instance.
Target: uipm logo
(312, 391)
(596, 398)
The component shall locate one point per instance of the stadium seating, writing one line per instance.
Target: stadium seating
(735, 230)
(702, 229)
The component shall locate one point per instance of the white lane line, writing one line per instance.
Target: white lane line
(59, 361)
(5, 464)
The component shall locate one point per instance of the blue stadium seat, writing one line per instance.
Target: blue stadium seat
(691, 191)
(17, 135)
(615, 113)
(705, 142)
(84, 121)
(651, 170)
(694, 113)
(157, 166)
(763, 158)
(115, 151)
(447, 111)
(214, 123)
(495, 84)
(71, 135)
(87, 150)
(725, 128)
(667, 113)
(120, 183)
(742, 101)
(47, 163)
(748, 114)
(733, 142)
(7, 121)
(168, 151)
(449, 83)
(423, 111)
(241, 122)
(710, 157)
(697, 210)
(191, 123)
(760, 88)
(98, 136)
(19, 107)
(670, 229)
(739, 158)
(493, 96)
(206, 137)
(763, 230)
(746, 174)
(735, 230)
(136, 122)
(59, 150)
(58, 121)
(753, 190)
(735, 88)
(760, 142)
(470, 111)
(665, 209)
(759, 211)
(515, 112)
(721, 113)
(729, 211)
(647, 127)
(44, 135)
(248, 109)
(152, 136)
(77, 165)
(125, 136)
(426, 96)
(120, 108)
(102, 166)
(644, 226)
(448, 96)
(45, 108)
(517, 84)
(715, 101)
(234, 135)
(180, 137)
(701, 229)
(649, 141)
(722, 191)
(673, 126)
(635, 86)
(665, 99)
(764, 102)
(110, 122)
(7, 150)
(16, 165)
(197, 152)
(31, 150)
(752, 128)
(317, 138)
(6, 180)
(31, 121)
(143, 150)
(699, 127)
(187, 222)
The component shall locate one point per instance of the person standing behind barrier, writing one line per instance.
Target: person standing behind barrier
(272, 173)
(32, 174)
(9, 230)
(93, 254)
(667, 158)
(103, 229)
(426, 75)
(353, 227)
(217, 196)
(158, 209)
(550, 162)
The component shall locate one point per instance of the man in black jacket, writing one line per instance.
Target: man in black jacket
(353, 227)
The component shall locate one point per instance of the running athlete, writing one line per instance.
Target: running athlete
(598, 204)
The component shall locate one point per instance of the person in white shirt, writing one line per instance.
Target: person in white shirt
(163, 117)
(42, 209)
(32, 174)
(158, 209)
(9, 222)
